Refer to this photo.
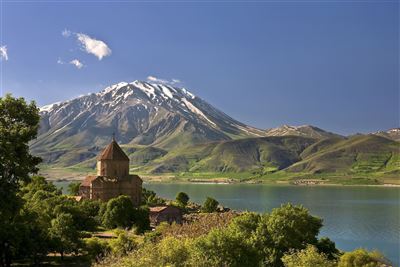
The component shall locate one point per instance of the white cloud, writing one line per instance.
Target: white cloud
(176, 81)
(93, 46)
(3, 52)
(76, 63)
(163, 81)
(66, 33)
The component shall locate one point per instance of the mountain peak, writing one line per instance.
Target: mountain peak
(302, 130)
(140, 113)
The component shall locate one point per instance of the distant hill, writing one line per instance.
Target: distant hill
(166, 129)
(393, 134)
(304, 130)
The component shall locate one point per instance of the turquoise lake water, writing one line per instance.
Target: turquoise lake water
(354, 217)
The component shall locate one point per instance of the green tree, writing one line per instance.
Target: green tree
(35, 184)
(308, 257)
(210, 205)
(119, 213)
(141, 219)
(328, 247)
(73, 188)
(285, 228)
(150, 198)
(182, 199)
(18, 126)
(225, 247)
(362, 258)
(65, 237)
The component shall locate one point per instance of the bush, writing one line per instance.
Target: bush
(96, 248)
(362, 258)
(123, 244)
(210, 205)
(308, 257)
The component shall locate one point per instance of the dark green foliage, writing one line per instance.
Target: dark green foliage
(73, 188)
(18, 126)
(65, 236)
(328, 247)
(210, 205)
(141, 219)
(118, 213)
(182, 199)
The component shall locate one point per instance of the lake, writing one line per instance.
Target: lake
(354, 216)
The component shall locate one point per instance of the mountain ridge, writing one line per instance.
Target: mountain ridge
(168, 129)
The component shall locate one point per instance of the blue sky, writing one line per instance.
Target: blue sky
(330, 64)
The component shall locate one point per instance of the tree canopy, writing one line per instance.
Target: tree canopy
(18, 126)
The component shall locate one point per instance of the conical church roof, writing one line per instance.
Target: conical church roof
(113, 152)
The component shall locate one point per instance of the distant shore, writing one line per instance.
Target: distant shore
(67, 174)
(224, 181)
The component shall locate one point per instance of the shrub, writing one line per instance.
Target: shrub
(308, 257)
(182, 199)
(96, 248)
(362, 258)
(123, 244)
(210, 205)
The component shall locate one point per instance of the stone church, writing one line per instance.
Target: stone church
(113, 178)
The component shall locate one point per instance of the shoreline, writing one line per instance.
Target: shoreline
(279, 183)
(64, 176)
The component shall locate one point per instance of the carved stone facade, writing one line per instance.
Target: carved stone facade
(113, 178)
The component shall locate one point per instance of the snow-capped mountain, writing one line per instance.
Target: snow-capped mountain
(303, 130)
(139, 113)
(393, 134)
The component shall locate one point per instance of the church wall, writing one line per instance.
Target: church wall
(113, 168)
(106, 190)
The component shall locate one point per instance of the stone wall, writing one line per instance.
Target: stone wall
(118, 168)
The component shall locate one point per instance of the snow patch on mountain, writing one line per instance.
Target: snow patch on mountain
(49, 107)
(195, 110)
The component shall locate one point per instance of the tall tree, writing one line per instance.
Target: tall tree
(18, 126)
(64, 235)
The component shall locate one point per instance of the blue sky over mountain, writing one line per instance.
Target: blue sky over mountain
(330, 64)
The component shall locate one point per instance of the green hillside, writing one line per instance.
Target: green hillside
(357, 154)
(361, 159)
(266, 154)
